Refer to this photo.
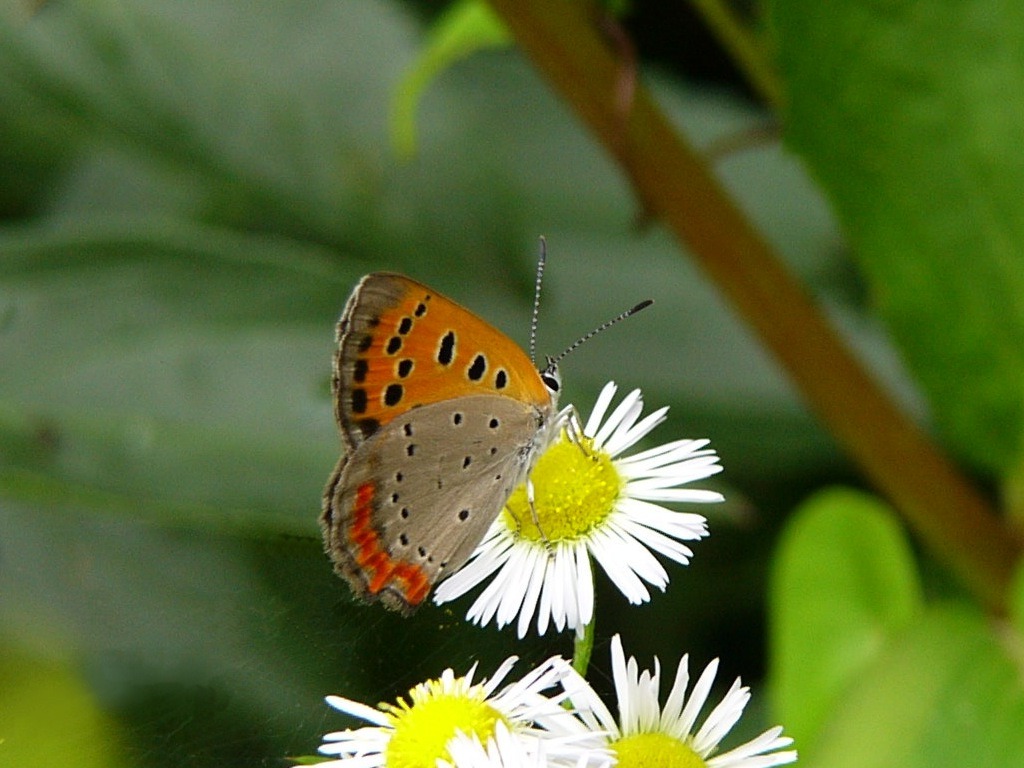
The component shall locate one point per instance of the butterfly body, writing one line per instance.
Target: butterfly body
(442, 416)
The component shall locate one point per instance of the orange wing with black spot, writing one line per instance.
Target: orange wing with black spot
(403, 345)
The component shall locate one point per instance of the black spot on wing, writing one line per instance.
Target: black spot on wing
(359, 371)
(368, 426)
(477, 369)
(446, 349)
(358, 400)
(393, 394)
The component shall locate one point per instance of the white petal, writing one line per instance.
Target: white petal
(649, 711)
(624, 683)
(721, 719)
(682, 473)
(663, 545)
(499, 674)
(358, 709)
(536, 577)
(524, 690)
(674, 703)
(561, 583)
(586, 585)
(513, 588)
(362, 761)
(667, 464)
(544, 613)
(760, 761)
(629, 408)
(637, 557)
(700, 694)
(369, 738)
(604, 549)
(572, 586)
(600, 407)
(512, 597)
(487, 559)
(588, 705)
(486, 605)
(677, 495)
(769, 741)
(679, 525)
(667, 452)
(624, 438)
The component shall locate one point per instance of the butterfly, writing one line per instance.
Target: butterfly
(442, 416)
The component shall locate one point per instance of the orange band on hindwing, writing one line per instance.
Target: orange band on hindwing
(408, 578)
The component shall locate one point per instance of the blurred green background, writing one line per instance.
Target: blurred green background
(189, 190)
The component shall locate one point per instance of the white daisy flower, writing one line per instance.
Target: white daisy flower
(647, 734)
(416, 733)
(589, 499)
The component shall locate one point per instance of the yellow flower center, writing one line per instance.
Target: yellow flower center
(575, 489)
(423, 729)
(655, 750)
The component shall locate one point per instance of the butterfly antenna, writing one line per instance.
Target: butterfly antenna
(541, 260)
(604, 326)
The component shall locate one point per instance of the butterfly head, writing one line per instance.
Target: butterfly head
(552, 379)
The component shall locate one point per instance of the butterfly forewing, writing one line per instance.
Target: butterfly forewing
(411, 503)
(403, 345)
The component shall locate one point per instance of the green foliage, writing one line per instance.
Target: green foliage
(1017, 603)
(844, 584)
(902, 111)
(466, 27)
(946, 693)
(866, 675)
(88, 736)
(115, 393)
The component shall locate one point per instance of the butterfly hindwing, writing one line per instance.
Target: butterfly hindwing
(413, 500)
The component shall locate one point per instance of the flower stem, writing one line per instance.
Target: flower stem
(583, 646)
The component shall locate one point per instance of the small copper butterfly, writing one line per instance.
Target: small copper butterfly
(442, 416)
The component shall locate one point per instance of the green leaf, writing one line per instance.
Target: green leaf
(169, 371)
(464, 28)
(844, 583)
(904, 112)
(275, 126)
(76, 729)
(1017, 604)
(944, 695)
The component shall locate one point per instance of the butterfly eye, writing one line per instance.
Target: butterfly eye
(552, 380)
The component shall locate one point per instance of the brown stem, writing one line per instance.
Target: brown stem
(672, 183)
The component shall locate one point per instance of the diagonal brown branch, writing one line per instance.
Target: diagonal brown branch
(948, 513)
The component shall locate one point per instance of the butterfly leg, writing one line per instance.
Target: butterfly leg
(533, 513)
(574, 430)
